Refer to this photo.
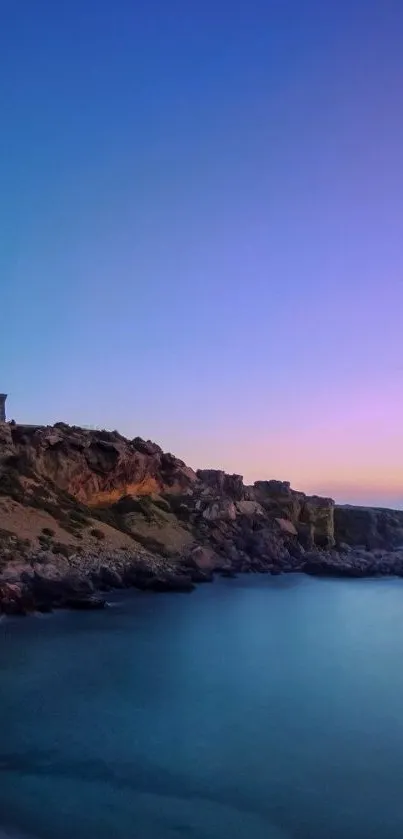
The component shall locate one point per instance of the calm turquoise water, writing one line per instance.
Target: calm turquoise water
(257, 708)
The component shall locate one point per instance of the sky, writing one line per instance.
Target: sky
(201, 231)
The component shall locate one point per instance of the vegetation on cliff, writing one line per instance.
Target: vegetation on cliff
(86, 510)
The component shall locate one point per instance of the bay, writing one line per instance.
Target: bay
(259, 708)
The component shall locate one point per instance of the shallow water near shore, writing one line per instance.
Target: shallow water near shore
(256, 708)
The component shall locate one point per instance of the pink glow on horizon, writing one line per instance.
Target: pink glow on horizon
(348, 446)
(204, 233)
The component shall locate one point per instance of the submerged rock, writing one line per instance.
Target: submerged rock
(199, 576)
(84, 603)
(172, 582)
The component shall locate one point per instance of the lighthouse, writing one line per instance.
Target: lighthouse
(3, 397)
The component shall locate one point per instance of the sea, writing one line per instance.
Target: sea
(255, 708)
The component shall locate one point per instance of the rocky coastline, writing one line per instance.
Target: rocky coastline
(84, 512)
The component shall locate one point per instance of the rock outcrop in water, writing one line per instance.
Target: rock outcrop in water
(83, 511)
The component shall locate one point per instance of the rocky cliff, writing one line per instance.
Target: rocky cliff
(96, 467)
(369, 527)
(82, 510)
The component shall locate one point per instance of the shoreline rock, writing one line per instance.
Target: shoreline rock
(86, 512)
(44, 587)
(353, 563)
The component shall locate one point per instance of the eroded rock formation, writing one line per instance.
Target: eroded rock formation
(96, 467)
(86, 510)
(370, 527)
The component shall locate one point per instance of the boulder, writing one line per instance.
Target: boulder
(15, 599)
(106, 576)
(203, 559)
(287, 527)
(52, 585)
(220, 483)
(222, 509)
(249, 508)
(84, 603)
(146, 446)
(198, 576)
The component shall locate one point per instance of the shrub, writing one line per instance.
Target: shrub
(150, 544)
(20, 463)
(72, 529)
(60, 548)
(47, 531)
(10, 485)
(106, 515)
(162, 503)
(49, 507)
(97, 534)
(40, 492)
(6, 535)
(78, 517)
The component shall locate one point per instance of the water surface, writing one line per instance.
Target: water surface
(257, 708)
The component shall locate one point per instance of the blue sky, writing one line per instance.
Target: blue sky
(201, 211)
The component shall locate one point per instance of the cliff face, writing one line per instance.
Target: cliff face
(370, 527)
(96, 467)
(312, 516)
(140, 490)
(124, 510)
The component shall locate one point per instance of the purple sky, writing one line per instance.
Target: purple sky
(201, 228)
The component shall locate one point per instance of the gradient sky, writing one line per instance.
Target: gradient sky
(201, 230)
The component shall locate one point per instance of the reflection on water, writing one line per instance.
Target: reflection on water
(260, 708)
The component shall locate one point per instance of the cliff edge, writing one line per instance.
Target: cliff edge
(85, 510)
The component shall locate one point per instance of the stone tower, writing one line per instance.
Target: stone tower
(3, 397)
